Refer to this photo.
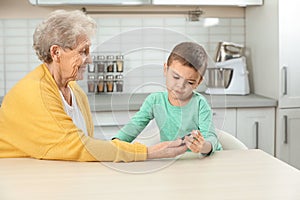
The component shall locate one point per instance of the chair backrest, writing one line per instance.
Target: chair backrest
(229, 142)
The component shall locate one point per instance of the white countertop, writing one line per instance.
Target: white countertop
(232, 175)
(121, 101)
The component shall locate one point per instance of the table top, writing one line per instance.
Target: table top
(236, 174)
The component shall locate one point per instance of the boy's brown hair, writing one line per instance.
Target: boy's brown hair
(189, 54)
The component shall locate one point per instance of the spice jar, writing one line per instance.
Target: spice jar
(91, 83)
(119, 63)
(109, 83)
(110, 63)
(91, 68)
(100, 63)
(119, 83)
(100, 84)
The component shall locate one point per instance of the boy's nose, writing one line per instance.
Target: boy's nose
(181, 83)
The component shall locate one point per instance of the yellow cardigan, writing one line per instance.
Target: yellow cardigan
(33, 123)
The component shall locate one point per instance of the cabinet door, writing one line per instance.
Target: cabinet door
(225, 119)
(256, 128)
(107, 124)
(288, 136)
(114, 118)
(106, 132)
(289, 40)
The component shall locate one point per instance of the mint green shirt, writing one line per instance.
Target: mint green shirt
(173, 121)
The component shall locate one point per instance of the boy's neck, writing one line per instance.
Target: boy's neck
(179, 102)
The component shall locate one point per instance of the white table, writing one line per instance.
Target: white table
(241, 174)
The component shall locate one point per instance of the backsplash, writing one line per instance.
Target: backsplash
(145, 43)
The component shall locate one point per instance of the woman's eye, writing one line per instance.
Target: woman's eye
(84, 52)
(191, 83)
(175, 77)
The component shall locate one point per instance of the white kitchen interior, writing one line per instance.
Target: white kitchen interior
(267, 118)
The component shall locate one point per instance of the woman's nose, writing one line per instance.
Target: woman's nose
(88, 59)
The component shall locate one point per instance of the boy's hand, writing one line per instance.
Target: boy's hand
(196, 142)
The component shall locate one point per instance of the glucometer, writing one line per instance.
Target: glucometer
(186, 135)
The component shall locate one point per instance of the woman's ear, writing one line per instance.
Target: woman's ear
(55, 53)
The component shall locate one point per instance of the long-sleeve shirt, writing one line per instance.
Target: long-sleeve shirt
(33, 123)
(172, 121)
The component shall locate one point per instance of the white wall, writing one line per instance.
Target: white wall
(143, 66)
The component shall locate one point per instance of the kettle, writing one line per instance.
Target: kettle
(228, 50)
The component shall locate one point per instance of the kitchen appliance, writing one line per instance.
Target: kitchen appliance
(218, 77)
(236, 78)
(228, 50)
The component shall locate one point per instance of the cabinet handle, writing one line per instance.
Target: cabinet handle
(256, 134)
(285, 118)
(284, 69)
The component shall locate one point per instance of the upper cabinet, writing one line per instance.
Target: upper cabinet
(242, 3)
(210, 2)
(274, 48)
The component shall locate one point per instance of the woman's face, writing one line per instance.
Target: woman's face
(73, 62)
(181, 80)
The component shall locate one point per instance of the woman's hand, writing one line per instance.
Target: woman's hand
(167, 149)
(196, 142)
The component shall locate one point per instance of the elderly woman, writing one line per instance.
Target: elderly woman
(46, 115)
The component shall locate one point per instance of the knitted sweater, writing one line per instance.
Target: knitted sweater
(33, 123)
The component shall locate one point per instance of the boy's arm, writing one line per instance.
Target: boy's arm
(138, 122)
(206, 127)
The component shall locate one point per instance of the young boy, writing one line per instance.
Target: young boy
(179, 112)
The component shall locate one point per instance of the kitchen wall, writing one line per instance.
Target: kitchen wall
(145, 41)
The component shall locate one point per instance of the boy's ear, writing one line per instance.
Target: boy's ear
(200, 80)
(165, 69)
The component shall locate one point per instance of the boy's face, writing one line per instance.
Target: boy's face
(181, 80)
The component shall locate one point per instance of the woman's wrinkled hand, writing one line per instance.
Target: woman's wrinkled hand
(167, 149)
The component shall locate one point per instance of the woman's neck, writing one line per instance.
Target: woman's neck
(61, 83)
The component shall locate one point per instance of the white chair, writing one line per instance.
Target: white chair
(229, 142)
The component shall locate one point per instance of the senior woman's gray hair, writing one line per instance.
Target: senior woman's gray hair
(61, 28)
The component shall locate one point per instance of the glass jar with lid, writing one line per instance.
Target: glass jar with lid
(119, 63)
(109, 83)
(91, 83)
(119, 83)
(110, 63)
(100, 63)
(100, 84)
(91, 68)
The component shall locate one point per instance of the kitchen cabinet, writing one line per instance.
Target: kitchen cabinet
(274, 46)
(209, 2)
(256, 128)
(149, 2)
(289, 42)
(107, 124)
(288, 136)
(225, 119)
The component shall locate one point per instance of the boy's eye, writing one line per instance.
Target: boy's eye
(175, 77)
(191, 83)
